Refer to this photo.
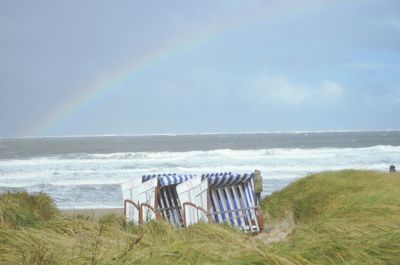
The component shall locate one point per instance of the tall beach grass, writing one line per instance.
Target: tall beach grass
(346, 217)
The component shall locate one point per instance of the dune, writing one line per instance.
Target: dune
(344, 217)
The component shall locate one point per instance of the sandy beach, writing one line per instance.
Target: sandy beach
(96, 214)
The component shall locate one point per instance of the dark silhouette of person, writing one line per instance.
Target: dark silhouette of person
(392, 168)
(258, 188)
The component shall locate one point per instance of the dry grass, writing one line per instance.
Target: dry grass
(348, 217)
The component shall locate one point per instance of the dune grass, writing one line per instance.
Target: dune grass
(21, 209)
(347, 217)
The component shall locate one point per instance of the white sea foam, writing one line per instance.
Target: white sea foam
(67, 177)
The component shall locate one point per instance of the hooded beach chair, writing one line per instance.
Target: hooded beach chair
(156, 198)
(229, 198)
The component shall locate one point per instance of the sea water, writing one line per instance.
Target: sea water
(86, 172)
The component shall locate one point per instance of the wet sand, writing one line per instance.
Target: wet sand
(96, 214)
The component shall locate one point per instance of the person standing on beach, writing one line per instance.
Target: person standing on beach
(392, 168)
(258, 188)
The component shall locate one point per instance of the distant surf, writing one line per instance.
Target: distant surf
(90, 178)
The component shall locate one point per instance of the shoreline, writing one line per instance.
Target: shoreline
(96, 213)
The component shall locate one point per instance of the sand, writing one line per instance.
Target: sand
(96, 214)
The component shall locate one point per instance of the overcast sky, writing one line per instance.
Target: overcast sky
(215, 66)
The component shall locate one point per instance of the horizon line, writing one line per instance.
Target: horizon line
(194, 134)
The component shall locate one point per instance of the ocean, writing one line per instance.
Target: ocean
(86, 171)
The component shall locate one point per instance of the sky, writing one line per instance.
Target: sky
(99, 67)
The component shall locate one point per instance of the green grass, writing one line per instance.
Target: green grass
(22, 209)
(347, 217)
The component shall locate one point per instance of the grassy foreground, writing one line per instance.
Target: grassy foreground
(346, 217)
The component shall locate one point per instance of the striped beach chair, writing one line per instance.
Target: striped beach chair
(229, 198)
(155, 198)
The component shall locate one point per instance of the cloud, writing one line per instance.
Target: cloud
(330, 90)
(278, 88)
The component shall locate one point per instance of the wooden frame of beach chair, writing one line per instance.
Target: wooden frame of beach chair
(151, 211)
(138, 199)
(197, 210)
(131, 208)
(133, 204)
(194, 197)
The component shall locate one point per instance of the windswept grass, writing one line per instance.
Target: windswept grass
(22, 209)
(348, 217)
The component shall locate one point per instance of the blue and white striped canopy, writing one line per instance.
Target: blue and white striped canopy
(168, 179)
(148, 177)
(227, 179)
(174, 179)
(219, 174)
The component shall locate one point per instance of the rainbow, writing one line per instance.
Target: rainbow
(111, 82)
(92, 93)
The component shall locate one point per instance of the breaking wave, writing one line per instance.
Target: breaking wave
(92, 180)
